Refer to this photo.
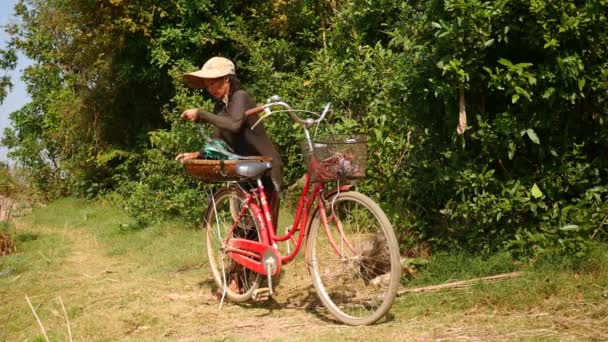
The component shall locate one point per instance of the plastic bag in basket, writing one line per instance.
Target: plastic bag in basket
(218, 149)
(338, 166)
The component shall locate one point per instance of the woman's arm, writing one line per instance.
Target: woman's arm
(236, 108)
(232, 122)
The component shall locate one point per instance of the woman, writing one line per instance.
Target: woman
(217, 76)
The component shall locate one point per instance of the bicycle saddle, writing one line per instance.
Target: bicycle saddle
(252, 169)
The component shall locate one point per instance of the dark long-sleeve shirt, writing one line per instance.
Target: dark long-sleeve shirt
(234, 127)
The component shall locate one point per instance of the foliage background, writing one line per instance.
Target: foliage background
(528, 176)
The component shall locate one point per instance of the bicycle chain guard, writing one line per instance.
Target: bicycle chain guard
(252, 255)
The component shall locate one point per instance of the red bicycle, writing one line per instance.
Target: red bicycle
(352, 253)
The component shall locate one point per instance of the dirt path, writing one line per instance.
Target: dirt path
(178, 305)
(111, 298)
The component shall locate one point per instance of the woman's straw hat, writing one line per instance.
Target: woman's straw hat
(213, 68)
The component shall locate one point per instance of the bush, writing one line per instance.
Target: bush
(528, 174)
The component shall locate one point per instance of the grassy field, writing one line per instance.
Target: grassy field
(120, 283)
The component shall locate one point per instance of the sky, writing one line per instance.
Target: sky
(18, 95)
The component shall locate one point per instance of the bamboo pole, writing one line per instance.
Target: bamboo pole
(461, 284)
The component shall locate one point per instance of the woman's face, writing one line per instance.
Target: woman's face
(217, 87)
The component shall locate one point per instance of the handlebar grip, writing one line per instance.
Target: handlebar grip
(254, 111)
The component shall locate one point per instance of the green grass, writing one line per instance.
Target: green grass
(549, 286)
(444, 267)
(112, 228)
(45, 241)
(154, 244)
(114, 278)
(36, 251)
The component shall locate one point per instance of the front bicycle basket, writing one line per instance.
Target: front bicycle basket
(338, 157)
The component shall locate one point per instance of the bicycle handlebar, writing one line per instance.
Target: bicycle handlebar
(276, 101)
(254, 111)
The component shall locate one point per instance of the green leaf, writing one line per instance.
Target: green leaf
(532, 135)
(514, 98)
(522, 91)
(569, 227)
(536, 193)
(511, 150)
(548, 93)
(505, 62)
(488, 43)
(522, 65)
(581, 84)
(552, 42)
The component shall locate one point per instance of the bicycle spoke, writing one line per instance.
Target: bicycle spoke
(233, 280)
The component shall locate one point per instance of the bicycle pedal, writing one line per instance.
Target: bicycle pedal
(261, 294)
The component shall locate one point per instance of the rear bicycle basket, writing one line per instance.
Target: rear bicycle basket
(219, 170)
(337, 157)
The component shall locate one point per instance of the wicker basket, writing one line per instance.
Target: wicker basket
(338, 157)
(218, 170)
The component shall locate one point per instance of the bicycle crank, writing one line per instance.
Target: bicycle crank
(271, 262)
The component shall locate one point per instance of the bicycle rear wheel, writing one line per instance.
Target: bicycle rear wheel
(238, 281)
(354, 264)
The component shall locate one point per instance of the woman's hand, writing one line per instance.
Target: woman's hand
(187, 156)
(191, 114)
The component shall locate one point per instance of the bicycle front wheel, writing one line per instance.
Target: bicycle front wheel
(354, 259)
(238, 281)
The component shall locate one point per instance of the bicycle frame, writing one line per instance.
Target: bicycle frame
(352, 253)
(250, 253)
(243, 251)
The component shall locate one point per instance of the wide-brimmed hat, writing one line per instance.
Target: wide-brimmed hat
(213, 68)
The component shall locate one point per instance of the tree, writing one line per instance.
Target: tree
(106, 93)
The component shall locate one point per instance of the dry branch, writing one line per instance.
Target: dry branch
(67, 321)
(37, 319)
(461, 284)
(44, 257)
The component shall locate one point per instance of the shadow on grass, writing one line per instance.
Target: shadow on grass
(308, 300)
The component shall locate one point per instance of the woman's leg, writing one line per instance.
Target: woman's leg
(273, 197)
(272, 184)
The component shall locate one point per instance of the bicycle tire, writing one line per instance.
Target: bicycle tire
(219, 218)
(359, 287)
